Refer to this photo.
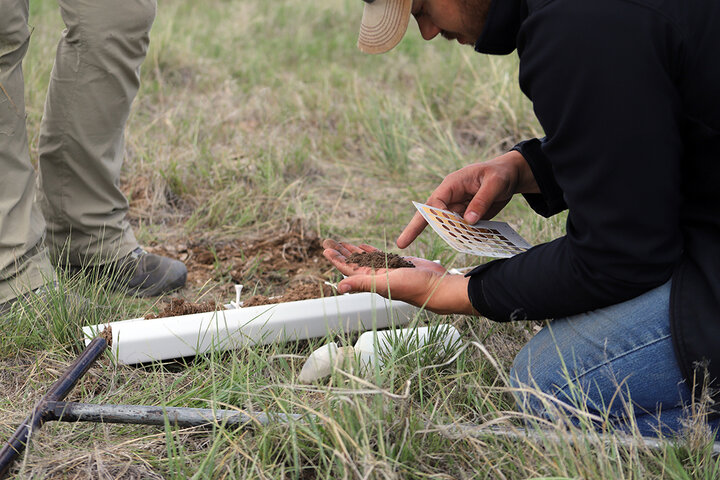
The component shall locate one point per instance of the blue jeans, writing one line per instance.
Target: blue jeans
(610, 362)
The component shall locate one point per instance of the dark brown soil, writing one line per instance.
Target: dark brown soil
(291, 255)
(379, 259)
(179, 306)
(300, 292)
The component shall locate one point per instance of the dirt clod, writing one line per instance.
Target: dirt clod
(180, 306)
(301, 292)
(379, 259)
(107, 335)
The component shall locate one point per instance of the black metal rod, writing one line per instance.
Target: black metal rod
(58, 391)
(150, 415)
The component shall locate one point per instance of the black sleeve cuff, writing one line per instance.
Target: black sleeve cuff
(550, 201)
(476, 293)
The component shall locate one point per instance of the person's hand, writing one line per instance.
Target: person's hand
(478, 192)
(428, 285)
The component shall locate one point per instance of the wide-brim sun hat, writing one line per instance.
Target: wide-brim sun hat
(384, 23)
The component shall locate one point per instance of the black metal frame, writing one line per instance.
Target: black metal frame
(59, 390)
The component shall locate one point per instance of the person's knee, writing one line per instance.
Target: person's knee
(136, 18)
(527, 381)
(128, 18)
(539, 363)
(538, 374)
(14, 36)
(114, 29)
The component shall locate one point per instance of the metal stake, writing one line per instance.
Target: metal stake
(148, 415)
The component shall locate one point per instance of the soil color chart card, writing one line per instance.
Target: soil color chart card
(485, 238)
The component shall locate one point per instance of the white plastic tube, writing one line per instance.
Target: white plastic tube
(139, 340)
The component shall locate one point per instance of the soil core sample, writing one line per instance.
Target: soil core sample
(301, 292)
(379, 259)
(179, 306)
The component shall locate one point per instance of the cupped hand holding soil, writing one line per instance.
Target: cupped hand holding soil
(427, 285)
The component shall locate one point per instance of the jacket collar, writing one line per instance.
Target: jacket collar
(499, 36)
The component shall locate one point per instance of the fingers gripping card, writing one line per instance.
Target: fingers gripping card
(485, 238)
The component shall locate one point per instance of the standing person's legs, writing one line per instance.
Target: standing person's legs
(614, 360)
(93, 84)
(24, 264)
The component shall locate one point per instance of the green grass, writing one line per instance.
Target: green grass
(253, 114)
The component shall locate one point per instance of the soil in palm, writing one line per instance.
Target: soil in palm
(379, 259)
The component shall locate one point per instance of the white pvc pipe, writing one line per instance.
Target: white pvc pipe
(139, 340)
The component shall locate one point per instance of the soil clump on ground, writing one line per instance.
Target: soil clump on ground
(300, 292)
(180, 306)
(285, 263)
(290, 255)
(379, 259)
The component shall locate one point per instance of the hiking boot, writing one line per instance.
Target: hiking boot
(145, 274)
(38, 296)
(6, 306)
(50, 297)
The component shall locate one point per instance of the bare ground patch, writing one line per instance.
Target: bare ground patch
(286, 257)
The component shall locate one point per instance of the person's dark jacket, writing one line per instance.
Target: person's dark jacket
(628, 94)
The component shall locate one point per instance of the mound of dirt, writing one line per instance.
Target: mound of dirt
(379, 259)
(301, 292)
(179, 306)
(290, 255)
(286, 263)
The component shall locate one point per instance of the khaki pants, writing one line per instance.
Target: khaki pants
(76, 206)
